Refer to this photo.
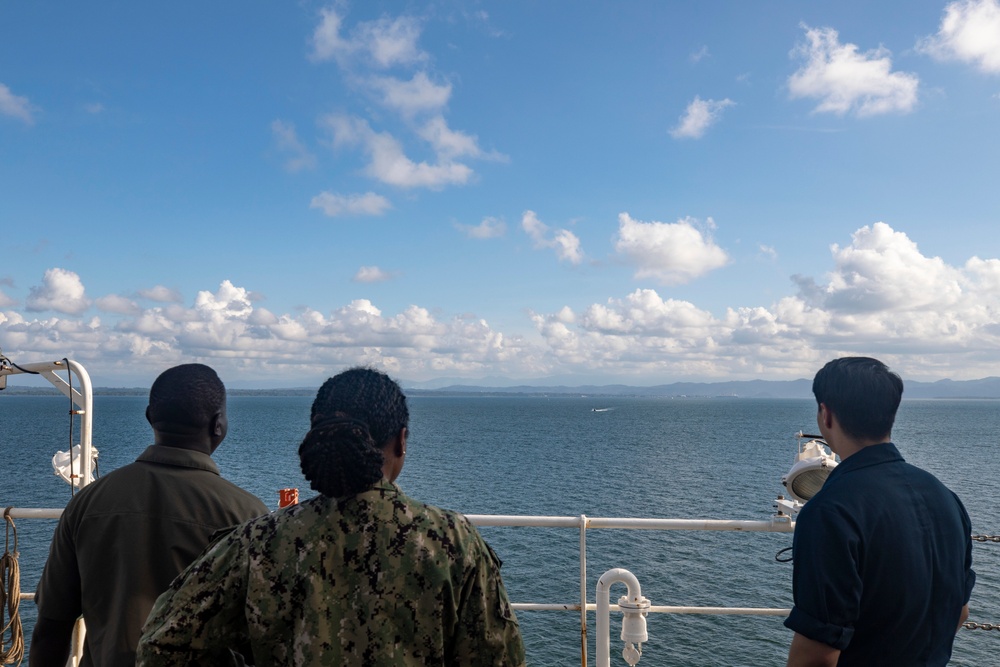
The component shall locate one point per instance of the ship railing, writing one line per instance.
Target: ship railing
(777, 524)
(780, 523)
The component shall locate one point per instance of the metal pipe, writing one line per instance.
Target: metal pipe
(603, 609)
(774, 525)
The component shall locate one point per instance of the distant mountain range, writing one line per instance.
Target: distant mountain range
(986, 388)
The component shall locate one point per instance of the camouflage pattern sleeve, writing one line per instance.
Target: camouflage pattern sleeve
(488, 634)
(200, 617)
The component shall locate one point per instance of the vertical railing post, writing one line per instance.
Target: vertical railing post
(583, 589)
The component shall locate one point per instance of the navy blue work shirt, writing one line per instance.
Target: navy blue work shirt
(883, 563)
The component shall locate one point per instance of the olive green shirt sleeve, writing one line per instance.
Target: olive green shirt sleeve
(199, 619)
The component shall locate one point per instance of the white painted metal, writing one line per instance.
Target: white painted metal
(631, 635)
(81, 393)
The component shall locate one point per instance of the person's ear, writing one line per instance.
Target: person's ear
(825, 415)
(218, 426)
(401, 442)
(147, 416)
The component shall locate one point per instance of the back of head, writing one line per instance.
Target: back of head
(185, 398)
(353, 417)
(863, 394)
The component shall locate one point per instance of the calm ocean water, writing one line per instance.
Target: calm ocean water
(641, 457)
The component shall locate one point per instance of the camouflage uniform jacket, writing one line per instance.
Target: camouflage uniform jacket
(373, 579)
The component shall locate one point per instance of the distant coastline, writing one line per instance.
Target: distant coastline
(985, 388)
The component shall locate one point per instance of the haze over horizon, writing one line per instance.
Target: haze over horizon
(640, 193)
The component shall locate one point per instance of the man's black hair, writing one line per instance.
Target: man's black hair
(353, 417)
(188, 395)
(862, 393)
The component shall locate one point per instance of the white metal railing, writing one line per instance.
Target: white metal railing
(583, 523)
(780, 523)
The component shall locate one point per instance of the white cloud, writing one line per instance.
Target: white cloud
(844, 80)
(161, 294)
(767, 251)
(371, 274)
(15, 105)
(417, 95)
(287, 140)
(699, 55)
(883, 297)
(228, 299)
(115, 303)
(449, 144)
(387, 161)
(670, 253)
(969, 32)
(6, 301)
(883, 270)
(93, 108)
(880, 295)
(489, 228)
(564, 242)
(384, 43)
(420, 101)
(334, 205)
(698, 117)
(61, 291)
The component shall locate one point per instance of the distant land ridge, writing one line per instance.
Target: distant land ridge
(985, 388)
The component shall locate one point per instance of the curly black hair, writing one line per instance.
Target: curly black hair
(355, 414)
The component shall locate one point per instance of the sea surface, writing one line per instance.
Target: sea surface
(695, 458)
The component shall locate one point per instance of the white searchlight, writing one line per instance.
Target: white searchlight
(813, 464)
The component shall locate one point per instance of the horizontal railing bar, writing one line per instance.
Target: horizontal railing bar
(33, 512)
(717, 611)
(776, 525)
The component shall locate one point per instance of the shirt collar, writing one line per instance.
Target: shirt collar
(177, 456)
(867, 456)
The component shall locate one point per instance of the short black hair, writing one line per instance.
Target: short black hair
(863, 394)
(355, 414)
(188, 396)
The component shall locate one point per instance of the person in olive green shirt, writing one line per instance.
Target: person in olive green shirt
(123, 539)
(361, 574)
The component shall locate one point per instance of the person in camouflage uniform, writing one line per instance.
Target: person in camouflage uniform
(361, 574)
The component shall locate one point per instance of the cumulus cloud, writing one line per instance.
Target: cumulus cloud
(115, 303)
(15, 106)
(489, 228)
(418, 95)
(371, 274)
(334, 205)
(225, 329)
(669, 252)
(61, 291)
(161, 294)
(969, 32)
(287, 141)
(880, 294)
(387, 161)
(419, 101)
(699, 116)
(564, 242)
(845, 81)
(6, 301)
(383, 43)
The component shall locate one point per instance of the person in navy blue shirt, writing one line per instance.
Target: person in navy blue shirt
(883, 552)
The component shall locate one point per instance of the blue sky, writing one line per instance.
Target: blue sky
(637, 192)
